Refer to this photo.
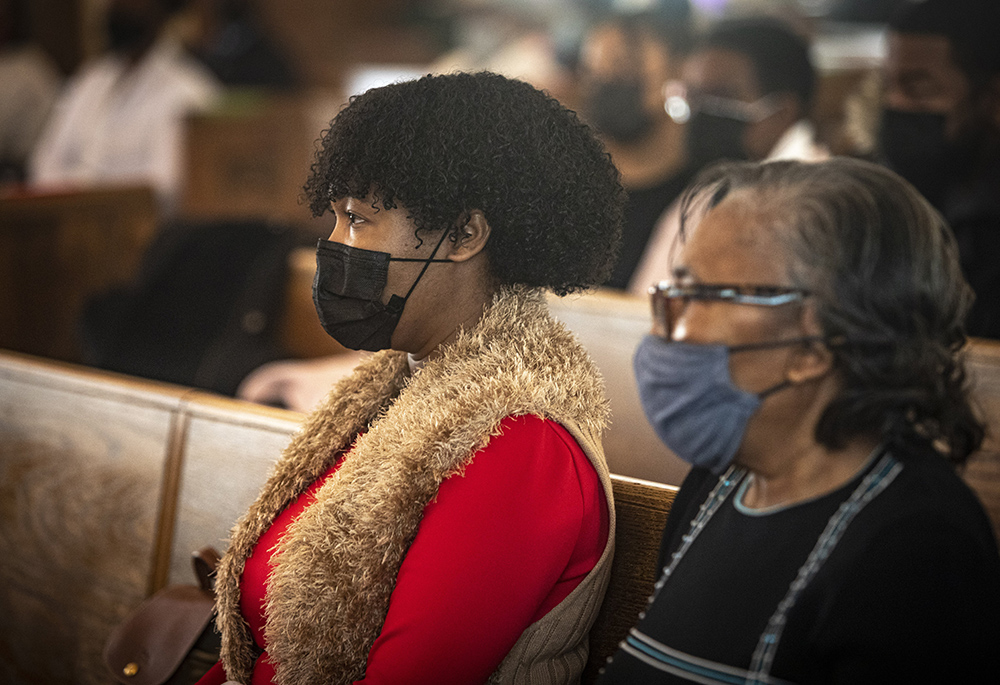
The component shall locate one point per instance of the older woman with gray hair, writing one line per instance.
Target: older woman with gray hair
(805, 360)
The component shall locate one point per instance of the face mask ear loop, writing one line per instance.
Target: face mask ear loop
(763, 395)
(427, 263)
(771, 344)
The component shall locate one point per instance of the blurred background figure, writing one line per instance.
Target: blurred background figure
(940, 130)
(29, 84)
(120, 119)
(227, 36)
(625, 62)
(746, 93)
(523, 41)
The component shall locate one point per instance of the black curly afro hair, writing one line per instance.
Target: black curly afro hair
(442, 146)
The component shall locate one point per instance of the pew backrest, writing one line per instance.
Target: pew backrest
(982, 471)
(59, 249)
(641, 509)
(611, 325)
(107, 485)
(118, 480)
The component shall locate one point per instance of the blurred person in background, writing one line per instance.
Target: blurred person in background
(513, 39)
(29, 85)
(120, 120)
(746, 92)
(940, 130)
(229, 38)
(624, 63)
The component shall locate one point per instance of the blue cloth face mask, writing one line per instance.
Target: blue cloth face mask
(690, 399)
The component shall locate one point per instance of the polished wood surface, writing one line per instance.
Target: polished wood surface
(81, 463)
(249, 158)
(982, 472)
(229, 448)
(107, 485)
(641, 510)
(56, 251)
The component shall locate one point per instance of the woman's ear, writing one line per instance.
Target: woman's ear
(470, 237)
(813, 360)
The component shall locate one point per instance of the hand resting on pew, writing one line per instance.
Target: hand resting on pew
(297, 384)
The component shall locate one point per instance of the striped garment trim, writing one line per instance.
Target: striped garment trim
(692, 668)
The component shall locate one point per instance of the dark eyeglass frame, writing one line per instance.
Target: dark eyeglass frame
(661, 294)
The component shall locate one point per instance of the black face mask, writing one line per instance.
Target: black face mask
(915, 146)
(711, 138)
(615, 108)
(347, 292)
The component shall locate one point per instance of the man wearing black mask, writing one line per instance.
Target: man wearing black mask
(746, 94)
(940, 130)
(624, 64)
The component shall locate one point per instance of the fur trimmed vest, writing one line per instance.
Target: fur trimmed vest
(338, 562)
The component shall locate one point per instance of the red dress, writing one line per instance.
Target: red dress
(499, 547)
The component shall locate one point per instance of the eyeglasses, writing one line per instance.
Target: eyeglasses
(669, 299)
(680, 103)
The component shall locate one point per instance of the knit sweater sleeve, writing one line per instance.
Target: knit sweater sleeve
(501, 544)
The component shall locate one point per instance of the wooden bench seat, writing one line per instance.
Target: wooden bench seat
(982, 471)
(109, 483)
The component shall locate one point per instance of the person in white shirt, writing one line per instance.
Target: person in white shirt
(745, 93)
(29, 84)
(121, 118)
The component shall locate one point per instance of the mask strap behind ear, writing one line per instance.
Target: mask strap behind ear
(764, 394)
(427, 262)
(771, 344)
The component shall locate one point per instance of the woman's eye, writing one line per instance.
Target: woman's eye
(352, 217)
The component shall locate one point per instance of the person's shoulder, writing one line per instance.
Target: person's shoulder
(928, 482)
(528, 433)
(540, 450)
(182, 72)
(926, 507)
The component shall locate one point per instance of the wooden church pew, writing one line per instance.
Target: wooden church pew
(982, 471)
(59, 249)
(112, 482)
(108, 483)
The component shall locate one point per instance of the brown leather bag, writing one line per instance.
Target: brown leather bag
(168, 638)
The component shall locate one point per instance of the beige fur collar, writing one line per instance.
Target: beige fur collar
(329, 592)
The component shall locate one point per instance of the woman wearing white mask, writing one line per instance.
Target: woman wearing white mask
(804, 360)
(445, 515)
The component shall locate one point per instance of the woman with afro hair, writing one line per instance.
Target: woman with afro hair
(445, 515)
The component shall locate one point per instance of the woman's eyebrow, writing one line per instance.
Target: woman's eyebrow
(679, 272)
